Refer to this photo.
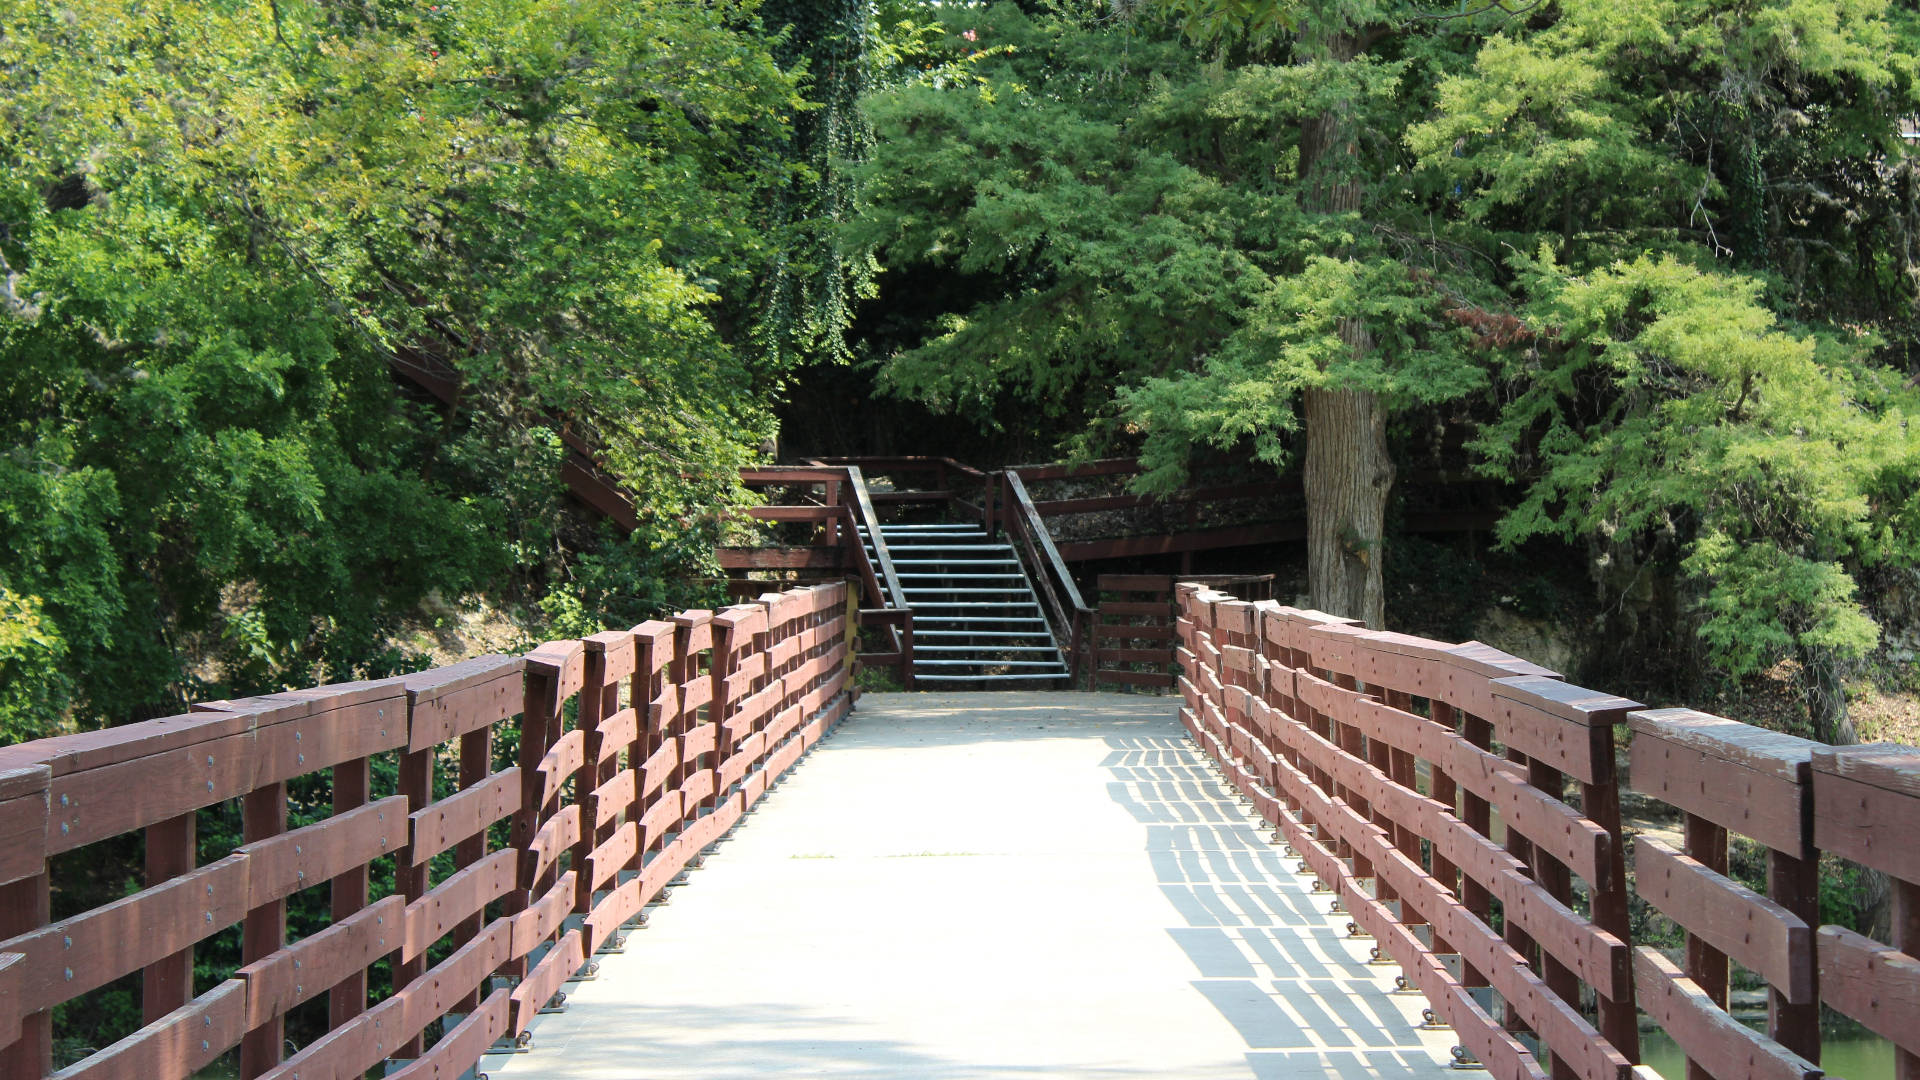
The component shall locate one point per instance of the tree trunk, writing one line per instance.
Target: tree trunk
(1348, 476)
(1348, 471)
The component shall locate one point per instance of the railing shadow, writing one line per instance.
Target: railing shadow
(1267, 952)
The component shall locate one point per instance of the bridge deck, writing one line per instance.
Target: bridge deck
(1044, 884)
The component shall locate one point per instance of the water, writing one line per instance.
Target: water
(1849, 1052)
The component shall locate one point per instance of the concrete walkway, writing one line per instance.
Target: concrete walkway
(991, 884)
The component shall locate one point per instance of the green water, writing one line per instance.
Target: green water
(1848, 1052)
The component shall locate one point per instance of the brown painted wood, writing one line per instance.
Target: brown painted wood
(24, 908)
(302, 971)
(463, 815)
(1873, 983)
(352, 786)
(1723, 1047)
(1906, 937)
(286, 862)
(118, 939)
(23, 821)
(263, 815)
(94, 804)
(1794, 884)
(179, 1042)
(454, 901)
(409, 875)
(450, 702)
(1710, 766)
(1862, 814)
(461, 1048)
(167, 984)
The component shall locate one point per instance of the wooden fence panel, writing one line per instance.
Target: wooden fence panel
(634, 753)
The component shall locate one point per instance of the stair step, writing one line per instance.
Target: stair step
(918, 633)
(984, 648)
(956, 562)
(918, 663)
(932, 675)
(924, 589)
(966, 577)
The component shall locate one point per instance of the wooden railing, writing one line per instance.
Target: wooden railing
(845, 507)
(1070, 616)
(1325, 725)
(963, 492)
(1468, 505)
(632, 751)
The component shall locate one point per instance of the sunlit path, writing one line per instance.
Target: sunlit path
(1044, 884)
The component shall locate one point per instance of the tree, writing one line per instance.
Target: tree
(221, 228)
(1382, 184)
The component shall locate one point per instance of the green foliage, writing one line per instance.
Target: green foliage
(1670, 400)
(222, 229)
(1660, 253)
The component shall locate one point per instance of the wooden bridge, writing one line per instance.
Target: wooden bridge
(1333, 852)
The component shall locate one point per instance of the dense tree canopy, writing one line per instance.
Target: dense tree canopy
(224, 227)
(1658, 258)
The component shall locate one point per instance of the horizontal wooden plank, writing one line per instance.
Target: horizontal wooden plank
(1704, 1031)
(94, 804)
(460, 1049)
(617, 732)
(1752, 930)
(614, 797)
(1136, 609)
(63, 754)
(430, 995)
(282, 865)
(555, 836)
(436, 827)
(448, 702)
(1137, 633)
(1136, 583)
(1563, 1028)
(465, 893)
(782, 558)
(23, 826)
(179, 1044)
(541, 919)
(1716, 783)
(546, 978)
(1133, 678)
(1890, 766)
(1871, 825)
(607, 859)
(561, 667)
(1596, 957)
(614, 652)
(562, 760)
(312, 965)
(1875, 984)
(309, 743)
(77, 955)
(1573, 839)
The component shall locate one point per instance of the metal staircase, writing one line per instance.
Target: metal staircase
(976, 618)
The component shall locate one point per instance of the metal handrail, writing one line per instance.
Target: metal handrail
(1050, 568)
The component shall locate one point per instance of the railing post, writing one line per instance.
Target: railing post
(906, 649)
(263, 814)
(26, 905)
(167, 984)
(352, 784)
